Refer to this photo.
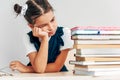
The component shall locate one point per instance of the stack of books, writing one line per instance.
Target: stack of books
(97, 50)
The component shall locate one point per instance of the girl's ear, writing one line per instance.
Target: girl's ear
(31, 26)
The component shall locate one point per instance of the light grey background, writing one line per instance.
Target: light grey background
(69, 13)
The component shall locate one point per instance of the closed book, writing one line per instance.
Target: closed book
(105, 28)
(101, 30)
(95, 37)
(98, 51)
(96, 73)
(85, 32)
(79, 46)
(97, 41)
(97, 55)
(94, 32)
(98, 69)
(93, 62)
(97, 58)
(97, 66)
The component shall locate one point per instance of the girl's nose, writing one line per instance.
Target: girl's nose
(50, 27)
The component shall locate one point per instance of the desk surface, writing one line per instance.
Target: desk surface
(56, 76)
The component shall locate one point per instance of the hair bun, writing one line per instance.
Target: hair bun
(17, 8)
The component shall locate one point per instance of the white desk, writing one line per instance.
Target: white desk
(55, 76)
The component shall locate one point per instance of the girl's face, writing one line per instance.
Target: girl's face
(47, 23)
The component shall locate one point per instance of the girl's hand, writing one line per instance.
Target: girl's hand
(17, 65)
(38, 32)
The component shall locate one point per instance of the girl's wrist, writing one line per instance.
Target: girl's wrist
(45, 38)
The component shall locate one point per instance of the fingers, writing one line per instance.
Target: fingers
(14, 65)
(35, 31)
(38, 32)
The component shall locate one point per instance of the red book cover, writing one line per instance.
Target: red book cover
(101, 28)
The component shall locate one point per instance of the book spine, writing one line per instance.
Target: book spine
(93, 62)
(114, 32)
(79, 46)
(85, 32)
(95, 37)
(96, 55)
(106, 28)
(96, 42)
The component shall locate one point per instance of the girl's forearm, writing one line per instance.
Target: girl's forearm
(52, 67)
(59, 62)
(29, 69)
(41, 57)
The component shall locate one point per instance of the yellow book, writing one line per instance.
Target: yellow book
(97, 58)
(98, 66)
(79, 46)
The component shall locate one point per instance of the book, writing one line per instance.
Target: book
(103, 32)
(94, 32)
(95, 37)
(96, 42)
(85, 32)
(79, 46)
(99, 30)
(96, 66)
(97, 59)
(98, 51)
(105, 28)
(93, 62)
(96, 73)
(98, 69)
(97, 55)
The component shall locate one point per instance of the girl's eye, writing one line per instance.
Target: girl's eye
(52, 19)
(41, 26)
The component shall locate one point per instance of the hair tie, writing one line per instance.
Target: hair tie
(24, 9)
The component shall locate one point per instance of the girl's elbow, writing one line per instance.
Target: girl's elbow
(40, 70)
(57, 69)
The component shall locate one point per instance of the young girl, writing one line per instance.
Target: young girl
(47, 44)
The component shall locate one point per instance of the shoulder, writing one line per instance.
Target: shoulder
(26, 39)
(66, 31)
(68, 43)
(29, 47)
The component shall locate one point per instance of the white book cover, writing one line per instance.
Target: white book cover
(97, 69)
(95, 32)
(99, 51)
(96, 73)
(109, 32)
(93, 62)
(96, 55)
(96, 41)
(94, 37)
(85, 32)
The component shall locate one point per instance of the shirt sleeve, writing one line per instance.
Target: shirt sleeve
(28, 45)
(68, 43)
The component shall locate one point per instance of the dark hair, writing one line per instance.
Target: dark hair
(35, 9)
